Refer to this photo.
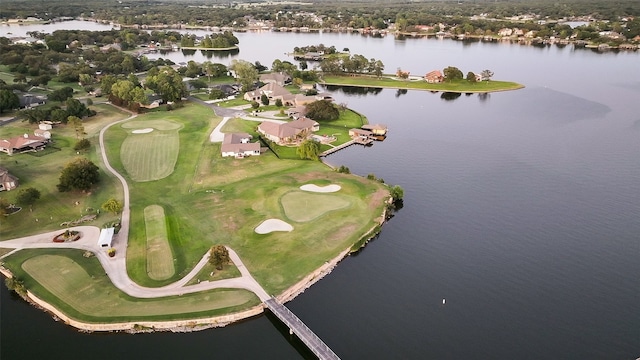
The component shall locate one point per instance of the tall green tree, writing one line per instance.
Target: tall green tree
(309, 149)
(471, 77)
(452, 73)
(246, 73)
(8, 100)
(76, 123)
(79, 174)
(28, 196)
(168, 83)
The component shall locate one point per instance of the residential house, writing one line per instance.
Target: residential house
(434, 77)
(42, 133)
(28, 100)
(288, 132)
(273, 92)
(154, 101)
(280, 78)
(239, 145)
(23, 143)
(505, 32)
(7, 181)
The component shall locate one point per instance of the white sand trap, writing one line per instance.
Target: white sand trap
(142, 131)
(320, 189)
(272, 225)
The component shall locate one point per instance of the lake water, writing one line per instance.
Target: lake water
(521, 208)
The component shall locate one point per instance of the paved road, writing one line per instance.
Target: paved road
(116, 267)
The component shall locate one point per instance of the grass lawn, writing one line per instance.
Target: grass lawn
(207, 200)
(227, 272)
(150, 156)
(235, 102)
(455, 86)
(304, 206)
(41, 171)
(79, 287)
(159, 255)
(239, 125)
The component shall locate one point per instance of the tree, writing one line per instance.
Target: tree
(309, 149)
(80, 174)
(397, 193)
(82, 145)
(255, 104)
(246, 73)
(168, 83)
(486, 75)
(112, 205)
(322, 110)
(215, 94)
(278, 102)
(28, 196)
(61, 94)
(8, 100)
(59, 115)
(471, 77)
(452, 73)
(264, 99)
(76, 123)
(219, 256)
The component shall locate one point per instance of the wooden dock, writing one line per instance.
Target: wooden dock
(337, 148)
(302, 331)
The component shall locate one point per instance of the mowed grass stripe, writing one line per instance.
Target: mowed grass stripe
(68, 281)
(159, 256)
(302, 206)
(148, 157)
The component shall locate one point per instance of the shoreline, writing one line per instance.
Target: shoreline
(197, 324)
(520, 86)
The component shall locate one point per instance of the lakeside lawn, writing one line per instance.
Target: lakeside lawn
(41, 171)
(212, 200)
(78, 286)
(461, 86)
(207, 200)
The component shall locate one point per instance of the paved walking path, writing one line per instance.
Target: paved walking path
(116, 267)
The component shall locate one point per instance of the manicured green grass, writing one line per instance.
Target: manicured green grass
(209, 200)
(303, 206)
(235, 102)
(79, 287)
(159, 255)
(227, 272)
(462, 86)
(151, 156)
(238, 125)
(4, 251)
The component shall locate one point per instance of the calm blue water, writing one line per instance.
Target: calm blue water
(522, 210)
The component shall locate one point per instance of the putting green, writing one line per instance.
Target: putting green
(95, 296)
(156, 124)
(159, 256)
(151, 156)
(301, 206)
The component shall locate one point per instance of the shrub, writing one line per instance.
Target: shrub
(111, 252)
(83, 144)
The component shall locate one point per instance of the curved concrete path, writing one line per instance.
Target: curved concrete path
(116, 267)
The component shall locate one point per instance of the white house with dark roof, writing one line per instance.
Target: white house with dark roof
(239, 145)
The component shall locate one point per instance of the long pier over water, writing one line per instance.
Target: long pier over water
(296, 326)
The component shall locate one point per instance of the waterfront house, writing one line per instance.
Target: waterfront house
(289, 132)
(434, 77)
(279, 78)
(376, 129)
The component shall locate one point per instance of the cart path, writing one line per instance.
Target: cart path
(116, 267)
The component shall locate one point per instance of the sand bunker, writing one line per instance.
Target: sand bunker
(272, 225)
(142, 131)
(320, 189)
